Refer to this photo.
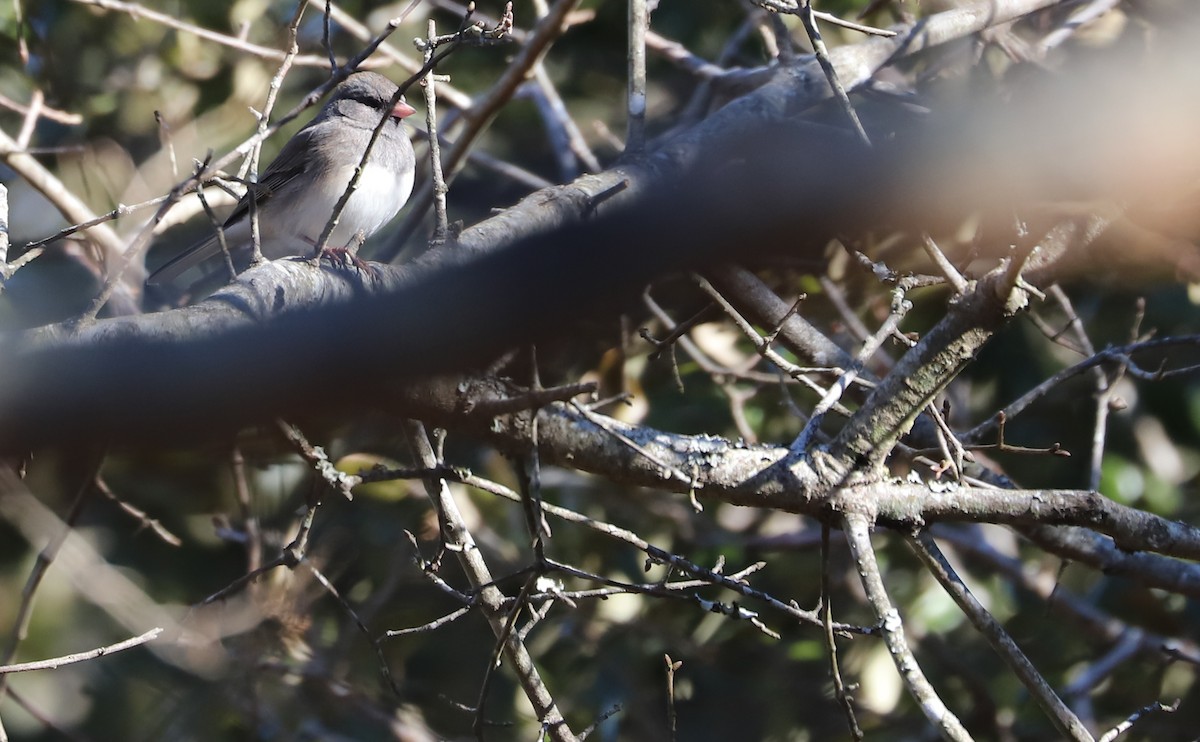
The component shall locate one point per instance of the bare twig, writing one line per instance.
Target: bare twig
(4, 233)
(839, 685)
(1121, 354)
(46, 557)
(441, 224)
(943, 264)
(799, 373)
(1153, 708)
(615, 709)
(52, 664)
(656, 554)
(639, 22)
(73, 209)
(672, 667)
(156, 527)
(1062, 717)
(251, 165)
(537, 44)
(431, 625)
(795, 7)
(1081, 17)
(597, 420)
(120, 211)
(352, 26)
(384, 669)
(136, 10)
(31, 119)
(61, 117)
(554, 109)
(319, 460)
(839, 92)
(461, 541)
(858, 535)
(250, 526)
(900, 307)
(290, 556)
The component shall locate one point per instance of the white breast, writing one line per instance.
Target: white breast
(377, 198)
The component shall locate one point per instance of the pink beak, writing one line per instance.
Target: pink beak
(402, 109)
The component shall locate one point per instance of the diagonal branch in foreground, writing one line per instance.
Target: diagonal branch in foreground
(1064, 720)
(858, 536)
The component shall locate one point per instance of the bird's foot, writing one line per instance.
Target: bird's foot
(346, 257)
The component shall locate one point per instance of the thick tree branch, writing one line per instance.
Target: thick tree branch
(923, 372)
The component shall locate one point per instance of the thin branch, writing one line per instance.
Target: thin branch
(1096, 671)
(733, 609)
(1148, 710)
(794, 7)
(1084, 15)
(91, 575)
(537, 44)
(925, 370)
(250, 526)
(69, 659)
(53, 546)
(656, 554)
(362, 627)
(73, 209)
(1121, 354)
(153, 524)
(756, 300)
(31, 119)
(509, 632)
(315, 455)
(1082, 614)
(61, 117)
(829, 400)
(5, 273)
(351, 25)
(437, 623)
(943, 264)
(858, 536)
(799, 373)
(569, 144)
(1103, 555)
(710, 366)
(137, 11)
(460, 540)
(839, 685)
(635, 103)
(678, 331)
(823, 59)
(1060, 715)
(672, 667)
(612, 711)
(290, 556)
(599, 422)
(441, 223)
(251, 165)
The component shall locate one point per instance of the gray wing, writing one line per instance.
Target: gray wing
(296, 158)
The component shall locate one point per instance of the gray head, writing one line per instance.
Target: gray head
(363, 98)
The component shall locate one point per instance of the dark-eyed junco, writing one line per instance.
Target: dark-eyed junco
(297, 193)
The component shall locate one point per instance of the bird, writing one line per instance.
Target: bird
(298, 191)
